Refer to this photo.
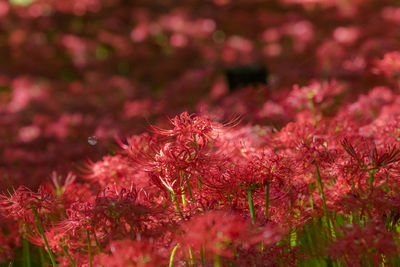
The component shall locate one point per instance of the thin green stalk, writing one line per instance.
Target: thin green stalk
(217, 260)
(171, 258)
(203, 260)
(321, 191)
(191, 258)
(89, 248)
(293, 237)
(42, 260)
(309, 240)
(200, 183)
(25, 249)
(230, 201)
(267, 200)
(183, 195)
(41, 230)
(188, 187)
(195, 142)
(97, 241)
(65, 248)
(371, 180)
(251, 206)
(176, 204)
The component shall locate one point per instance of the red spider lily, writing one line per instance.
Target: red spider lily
(20, 204)
(92, 81)
(140, 147)
(222, 179)
(117, 171)
(109, 211)
(272, 166)
(384, 158)
(62, 186)
(220, 232)
(378, 205)
(216, 232)
(170, 165)
(371, 240)
(372, 159)
(79, 218)
(273, 256)
(323, 94)
(390, 64)
(114, 208)
(191, 131)
(59, 239)
(132, 253)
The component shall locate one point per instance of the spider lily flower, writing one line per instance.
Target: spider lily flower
(20, 204)
(132, 253)
(360, 243)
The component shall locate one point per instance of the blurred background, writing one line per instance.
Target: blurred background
(76, 74)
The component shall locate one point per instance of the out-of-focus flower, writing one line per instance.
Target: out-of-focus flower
(390, 64)
(371, 241)
(217, 232)
(132, 253)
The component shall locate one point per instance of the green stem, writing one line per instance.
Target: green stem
(183, 195)
(42, 260)
(97, 241)
(230, 201)
(171, 258)
(41, 230)
(321, 191)
(267, 200)
(251, 206)
(200, 183)
(176, 204)
(203, 260)
(195, 142)
(191, 258)
(25, 249)
(65, 248)
(293, 237)
(89, 248)
(217, 260)
(371, 180)
(188, 187)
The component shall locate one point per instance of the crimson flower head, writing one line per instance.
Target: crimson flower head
(117, 170)
(321, 93)
(113, 208)
(107, 213)
(79, 217)
(191, 131)
(20, 204)
(390, 64)
(139, 147)
(218, 232)
(61, 186)
(371, 241)
(369, 157)
(132, 253)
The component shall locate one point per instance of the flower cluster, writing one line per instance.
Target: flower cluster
(299, 168)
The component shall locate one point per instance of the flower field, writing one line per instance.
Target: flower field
(199, 133)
